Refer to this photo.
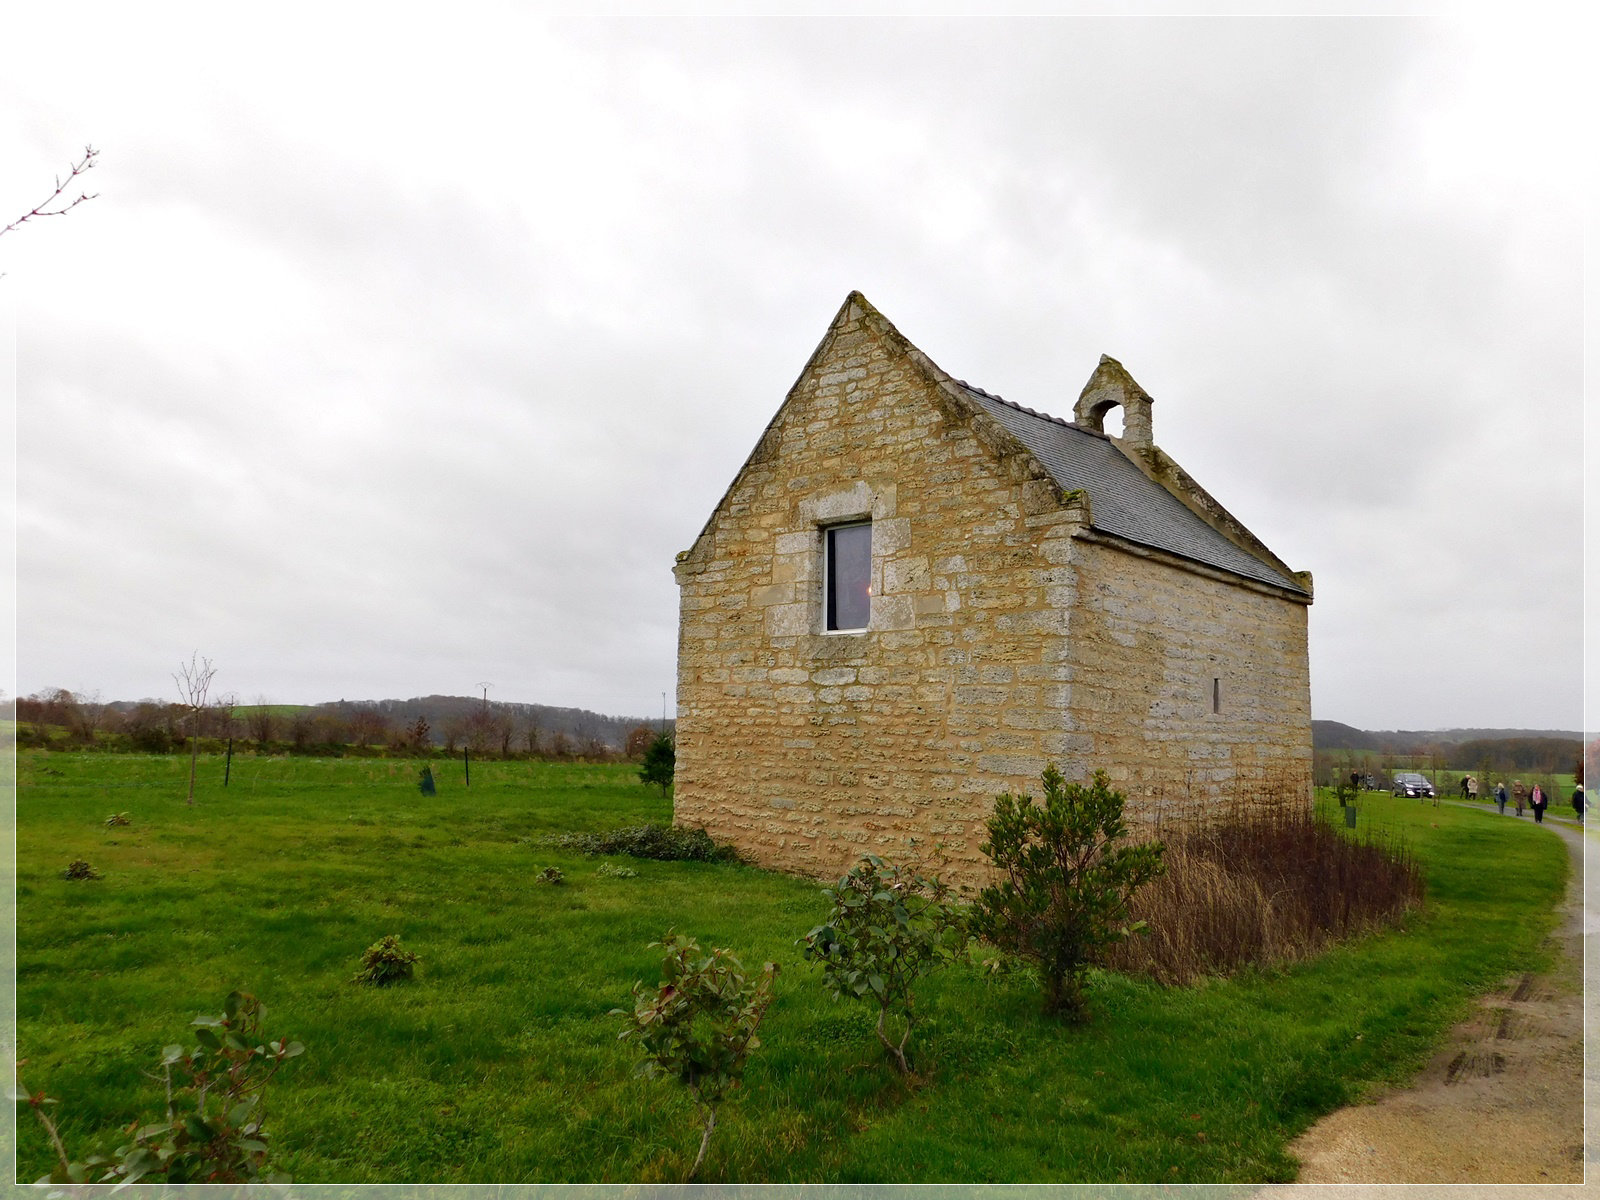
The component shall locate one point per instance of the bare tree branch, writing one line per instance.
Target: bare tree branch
(57, 204)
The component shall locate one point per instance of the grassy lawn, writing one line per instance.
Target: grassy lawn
(500, 1064)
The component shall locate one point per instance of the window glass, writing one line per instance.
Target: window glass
(849, 572)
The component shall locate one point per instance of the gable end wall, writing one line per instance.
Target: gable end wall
(806, 750)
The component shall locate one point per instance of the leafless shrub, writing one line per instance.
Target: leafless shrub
(194, 683)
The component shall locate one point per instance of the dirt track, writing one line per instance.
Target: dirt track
(1502, 1103)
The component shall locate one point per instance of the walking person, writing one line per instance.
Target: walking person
(1538, 800)
(1577, 801)
(1519, 795)
(1500, 797)
(1472, 787)
(1464, 787)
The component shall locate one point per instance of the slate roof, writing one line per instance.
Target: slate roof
(1123, 500)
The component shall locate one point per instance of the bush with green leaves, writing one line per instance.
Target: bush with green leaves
(608, 871)
(664, 843)
(385, 962)
(213, 1131)
(1066, 877)
(79, 869)
(698, 1026)
(552, 875)
(887, 927)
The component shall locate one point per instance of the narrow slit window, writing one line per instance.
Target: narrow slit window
(1216, 695)
(847, 577)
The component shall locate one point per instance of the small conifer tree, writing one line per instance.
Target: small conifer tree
(660, 761)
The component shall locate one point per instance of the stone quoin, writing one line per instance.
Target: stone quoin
(914, 595)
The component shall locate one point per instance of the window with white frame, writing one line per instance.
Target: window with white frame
(847, 577)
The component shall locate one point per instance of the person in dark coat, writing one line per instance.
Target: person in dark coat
(1538, 801)
(1500, 797)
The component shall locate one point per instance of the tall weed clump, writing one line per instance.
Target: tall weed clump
(1262, 883)
(664, 843)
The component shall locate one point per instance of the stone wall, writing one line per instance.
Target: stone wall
(1193, 685)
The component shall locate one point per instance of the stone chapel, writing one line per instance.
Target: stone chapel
(915, 594)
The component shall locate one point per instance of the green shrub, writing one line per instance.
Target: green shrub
(550, 875)
(79, 869)
(212, 1131)
(386, 962)
(1066, 881)
(660, 763)
(607, 871)
(152, 739)
(666, 843)
(699, 1025)
(886, 929)
(31, 736)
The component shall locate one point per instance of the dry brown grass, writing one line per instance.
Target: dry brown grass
(1256, 884)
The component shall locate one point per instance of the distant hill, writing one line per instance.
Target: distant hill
(1333, 735)
(579, 726)
(1458, 749)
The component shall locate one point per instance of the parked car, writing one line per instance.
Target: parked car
(1409, 783)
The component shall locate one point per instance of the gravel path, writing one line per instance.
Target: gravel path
(1502, 1103)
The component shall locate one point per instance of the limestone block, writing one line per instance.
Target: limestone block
(788, 619)
(777, 593)
(843, 504)
(891, 537)
(905, 575)
(892, 612)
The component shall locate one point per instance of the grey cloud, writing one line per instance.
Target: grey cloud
(503, 394)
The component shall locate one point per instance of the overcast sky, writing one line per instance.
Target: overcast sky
(400, 355)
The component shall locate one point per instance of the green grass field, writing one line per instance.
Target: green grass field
(499, 1063)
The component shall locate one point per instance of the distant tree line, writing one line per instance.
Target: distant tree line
(1538, 755)
(430, 725)
(1483, 757)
